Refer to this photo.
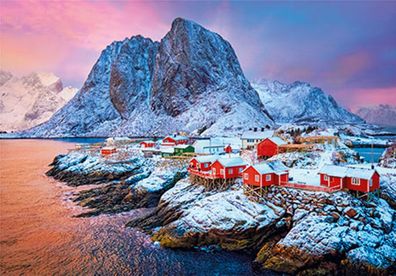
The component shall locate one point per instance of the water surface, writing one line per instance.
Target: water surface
(39, 234)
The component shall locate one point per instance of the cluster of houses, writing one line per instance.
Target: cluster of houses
(213, 163)
(214, 169)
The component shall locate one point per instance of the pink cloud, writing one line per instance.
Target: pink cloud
(355, 98)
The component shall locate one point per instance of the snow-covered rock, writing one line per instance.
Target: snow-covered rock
(30, 100)
(191, 81)
(300, 102)
(383, 114)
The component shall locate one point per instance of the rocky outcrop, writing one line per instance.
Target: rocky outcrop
(192, 78)
(125, 185)
(291, 231)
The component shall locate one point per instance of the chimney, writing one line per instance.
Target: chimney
(250, 128)
(255, 129)
(262, 129)
(372, 166)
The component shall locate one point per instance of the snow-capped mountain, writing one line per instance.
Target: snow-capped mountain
(190, 81)
(30, 100)
(382, 114)
(299, 102)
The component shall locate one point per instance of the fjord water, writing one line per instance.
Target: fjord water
(39, 234)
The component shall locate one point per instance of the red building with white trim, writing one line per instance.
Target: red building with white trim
(147, 144)
(351, 178)
(266, 174)
(174, 140)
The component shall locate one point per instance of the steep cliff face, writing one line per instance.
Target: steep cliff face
(300, 102)
(190, 81)
(30, 100)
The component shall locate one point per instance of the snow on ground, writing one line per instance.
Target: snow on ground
(305, 176)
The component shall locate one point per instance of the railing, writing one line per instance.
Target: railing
(310, 187)
(204, 174)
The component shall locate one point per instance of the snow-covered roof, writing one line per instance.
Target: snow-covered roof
(168, 150)
(270, 167)
(178, 137)
(231, 161)
(339, 171)
(334, 170)
(360, 173)
(108, 148)
(148, 142)
(257, 134)
(277, 140)
(206, 158)
(213, 146)
(181, 146)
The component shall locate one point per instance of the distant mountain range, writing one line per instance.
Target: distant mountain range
(382, 114)
(189, 81)
(299, 102)
(30, 100)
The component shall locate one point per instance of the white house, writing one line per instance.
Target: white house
(252, 137)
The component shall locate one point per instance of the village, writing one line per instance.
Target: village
(259, 159)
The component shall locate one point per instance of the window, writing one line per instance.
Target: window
(268, 177)
(222, 171)
(371, 182)
(257, 178)
(230, 171)
(246, 176)
(355, 181)
(206, 165)
(325, 177)
(240, 170)
(214, 170)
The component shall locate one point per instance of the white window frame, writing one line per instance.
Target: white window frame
(268, 177)
(325, 177)
(222, 171)
(246, 176)
(371, 182)
(230, 171)
(214, 170)
(355, 181)
(257, 178)
(206, 165)
(240, 170)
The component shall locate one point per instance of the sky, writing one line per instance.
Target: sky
(346, 48)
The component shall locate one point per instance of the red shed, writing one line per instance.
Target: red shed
(147, 144)
(266, 174)
(269, 147)
(228, 149)
(228, 168)
(174, 140)
(202, 163)
(332, 176)
(108, 150)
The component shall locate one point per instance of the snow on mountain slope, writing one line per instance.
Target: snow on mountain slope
(191, 81)
(382, 114)
(30, 100)
(300, 102)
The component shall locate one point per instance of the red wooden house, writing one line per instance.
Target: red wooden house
(174, 140)
(147, 144)
(108, 150)
(351, 178)
(202, 163)
(269, 147)
(228, 149)
(228, 168)
(266, 174)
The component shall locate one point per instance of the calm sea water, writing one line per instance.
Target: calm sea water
(371, 155)
(39, 234)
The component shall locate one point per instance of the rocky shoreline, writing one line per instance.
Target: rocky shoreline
(289, 231)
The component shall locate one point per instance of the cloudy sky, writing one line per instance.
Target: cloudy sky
(346, 48)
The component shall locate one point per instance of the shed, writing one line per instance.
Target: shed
(203, 163)
(228, 168)
(266, 174)
(180, 149)
(108, 150)
(269, 147)
(147, 144)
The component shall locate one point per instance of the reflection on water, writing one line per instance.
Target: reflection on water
(40, 236)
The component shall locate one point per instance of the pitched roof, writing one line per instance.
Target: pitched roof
(277, 140)
(334, 170)
(339, 171)
(147, 141)
(206, 158)
(231, 161)
(182, 146)
(257, 134)
(271, 167)
(360, 173)
(177, 137)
